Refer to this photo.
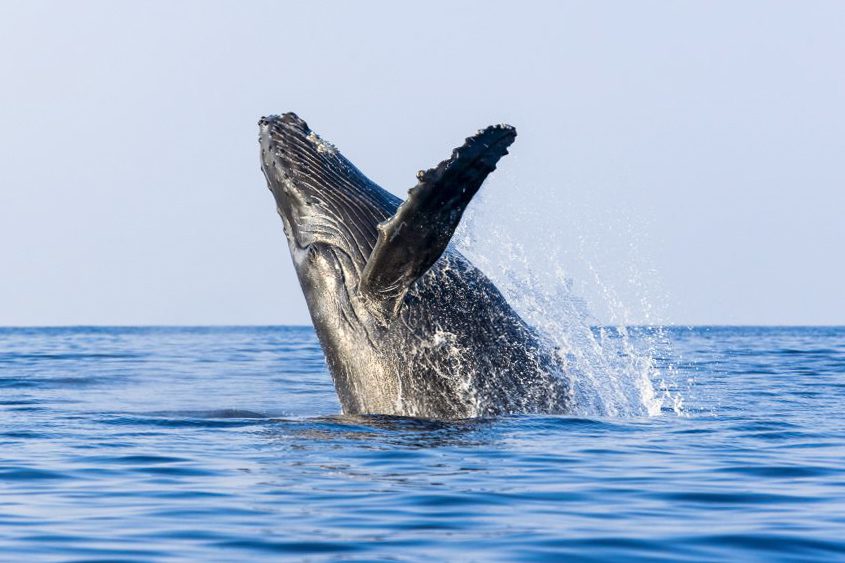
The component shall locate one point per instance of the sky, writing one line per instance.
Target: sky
(679, 162)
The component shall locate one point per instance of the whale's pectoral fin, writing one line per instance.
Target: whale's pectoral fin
(411, 241)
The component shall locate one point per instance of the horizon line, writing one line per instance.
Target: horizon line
(295, 325)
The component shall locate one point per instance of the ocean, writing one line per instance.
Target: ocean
(227, 444)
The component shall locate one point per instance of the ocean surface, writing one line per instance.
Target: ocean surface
(226, 444)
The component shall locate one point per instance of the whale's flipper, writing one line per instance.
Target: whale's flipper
(412, 240)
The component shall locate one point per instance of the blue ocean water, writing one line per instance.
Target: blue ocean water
(139, 444)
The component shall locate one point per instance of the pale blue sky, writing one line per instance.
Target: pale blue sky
(688, 156)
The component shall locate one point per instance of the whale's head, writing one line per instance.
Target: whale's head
(330, 212)
(326, 204)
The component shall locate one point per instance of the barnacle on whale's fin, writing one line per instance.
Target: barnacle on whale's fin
(412, 240)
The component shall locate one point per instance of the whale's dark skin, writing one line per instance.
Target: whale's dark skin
(409, 327)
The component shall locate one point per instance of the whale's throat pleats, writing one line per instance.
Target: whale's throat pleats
(337, 203)
(412, 240)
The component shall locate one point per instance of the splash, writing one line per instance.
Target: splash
(615, 368)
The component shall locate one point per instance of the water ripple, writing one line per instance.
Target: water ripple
(138, 444)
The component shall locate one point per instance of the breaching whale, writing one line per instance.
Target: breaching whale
(408, 325)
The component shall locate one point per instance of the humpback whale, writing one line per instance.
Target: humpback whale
(408, 326)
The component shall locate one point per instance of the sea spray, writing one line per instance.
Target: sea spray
(619, 367)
